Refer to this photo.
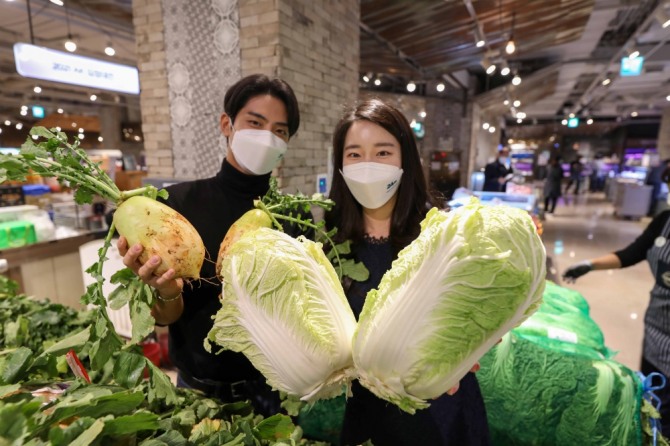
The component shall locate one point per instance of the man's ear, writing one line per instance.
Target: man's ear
(226, 125)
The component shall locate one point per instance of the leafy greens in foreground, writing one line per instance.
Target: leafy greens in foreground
(470, 277)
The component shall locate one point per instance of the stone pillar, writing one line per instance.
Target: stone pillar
(314, 46)
(663, 143)
(189, 53)
(110, 127)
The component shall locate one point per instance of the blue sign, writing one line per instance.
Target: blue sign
(573, 122)
(631, 67)
(38, 111)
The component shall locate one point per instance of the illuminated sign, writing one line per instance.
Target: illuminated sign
(57, 66)
(631, 67)
(573, 122)
(38, 111)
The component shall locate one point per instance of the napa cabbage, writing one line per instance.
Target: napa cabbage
(470, 276)
(284, 308)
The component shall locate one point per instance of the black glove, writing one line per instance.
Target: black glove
(578, 270)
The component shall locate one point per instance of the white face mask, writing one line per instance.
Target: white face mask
(372, 184)
(258, 151)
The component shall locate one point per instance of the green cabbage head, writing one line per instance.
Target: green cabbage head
(472, 275)
(284, 308)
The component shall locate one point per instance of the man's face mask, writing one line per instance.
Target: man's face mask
(372, 184)
(258, 151)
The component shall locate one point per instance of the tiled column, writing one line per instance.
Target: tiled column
(664, 135)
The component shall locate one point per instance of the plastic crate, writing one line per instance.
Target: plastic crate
(11, 196)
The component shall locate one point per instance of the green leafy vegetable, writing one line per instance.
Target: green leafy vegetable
(470, 277)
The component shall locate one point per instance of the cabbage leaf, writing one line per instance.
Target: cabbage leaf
(471, 276)
(284, 308)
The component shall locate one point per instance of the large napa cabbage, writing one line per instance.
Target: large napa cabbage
(470, 277)
(284, 308)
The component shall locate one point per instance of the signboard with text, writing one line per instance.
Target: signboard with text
(58, 66)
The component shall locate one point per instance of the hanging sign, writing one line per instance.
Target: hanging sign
(58, 66)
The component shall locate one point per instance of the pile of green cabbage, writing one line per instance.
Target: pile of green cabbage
(552, 382)
(471, 276)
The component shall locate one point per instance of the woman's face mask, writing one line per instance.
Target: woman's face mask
(258, 151)
(372, 184)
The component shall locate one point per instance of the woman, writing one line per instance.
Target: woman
(381, 197)
(552, 185)
(654, 246)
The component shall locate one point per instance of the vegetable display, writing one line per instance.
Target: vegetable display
(284, 308)
(471, 276)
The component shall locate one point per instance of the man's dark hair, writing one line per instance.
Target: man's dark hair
(254, 85)
(413, 194)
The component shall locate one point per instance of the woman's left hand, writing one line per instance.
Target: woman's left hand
(454, 389)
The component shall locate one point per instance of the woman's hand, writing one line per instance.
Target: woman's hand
(166, 285)
(475, 368)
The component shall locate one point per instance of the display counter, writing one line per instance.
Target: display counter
(51, 268)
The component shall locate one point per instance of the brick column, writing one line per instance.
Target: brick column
(664, 135)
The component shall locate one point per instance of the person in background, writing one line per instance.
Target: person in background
(381, 197)
(576, 168)
(656, 177)
(497, 173)
(260, 116)
(552, 185)
(654, 246)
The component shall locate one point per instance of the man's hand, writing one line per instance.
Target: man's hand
(167, 286)
(578, 270)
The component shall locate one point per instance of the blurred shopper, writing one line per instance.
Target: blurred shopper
(654, 246)
(260, 115)
(552, 185)
(656, 177)
(379, 221)
(576, 168)
(496, 173)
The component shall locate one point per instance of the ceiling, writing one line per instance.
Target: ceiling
(564, 50)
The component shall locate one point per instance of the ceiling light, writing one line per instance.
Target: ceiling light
(8, 122)
(564, 122)
(491, 69)
(19, 126)
(74, 125)
(70, 45)
(440, 87)
(606, 81)
(411, 86)
(519, 120)
(634, 54)
(485, 126)
(634, 114)
(23, 112)
(100, 139)
(480, 40)
(589, 121)
(366, 78)
(492, 129)
(0, 130)
(57, 2)
(506, 102)
(516, 80)
(510, 47)
(58, 129)
(24, 107)
(571, 115)
(37, 89)
(81, 130)
(109, 50)
(378, 82)
(35, 136)
(422, 114)
(93, 97)
(662, 17)
(505, 71)
(667, 98)
(480, 43)
(60, 111)
(80, 136)
(517, 103)
(521, 115)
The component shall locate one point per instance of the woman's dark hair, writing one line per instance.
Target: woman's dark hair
(413, 197)
(254, 85)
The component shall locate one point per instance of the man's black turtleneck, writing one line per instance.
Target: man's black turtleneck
(211, 205)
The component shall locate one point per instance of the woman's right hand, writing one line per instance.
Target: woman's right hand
(576, 271)
(166, 285)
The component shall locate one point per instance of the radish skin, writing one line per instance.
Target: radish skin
(250, 221)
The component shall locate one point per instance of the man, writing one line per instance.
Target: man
(576, 168)
(497, 173)
(260, 115)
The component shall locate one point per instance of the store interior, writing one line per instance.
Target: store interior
(583, 81)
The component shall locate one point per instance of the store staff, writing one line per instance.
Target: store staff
(654, 246)
(497, 173)
(260, 115)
